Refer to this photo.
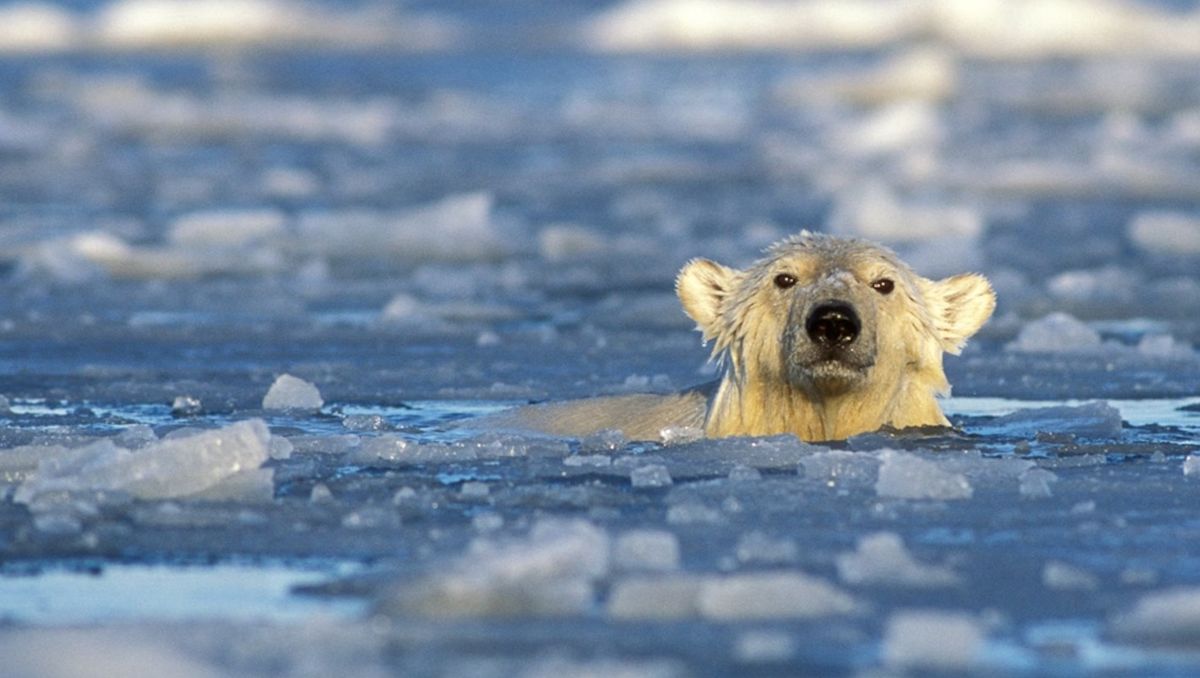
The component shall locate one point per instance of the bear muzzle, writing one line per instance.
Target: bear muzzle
(829, 348)
(833, 324)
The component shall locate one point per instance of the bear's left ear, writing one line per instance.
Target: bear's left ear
(959, 306)
(702, 285)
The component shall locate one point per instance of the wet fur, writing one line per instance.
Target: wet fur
(766, 390)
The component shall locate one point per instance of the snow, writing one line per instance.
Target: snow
(907, 476)
(932, 640)
(292, 393)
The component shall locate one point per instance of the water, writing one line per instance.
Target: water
(439, 212)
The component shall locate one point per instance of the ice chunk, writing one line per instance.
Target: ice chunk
(588, 460)
(741, 473)
(175, 467)
(1169, 617)
(141, 24)
(1171, 233)
(776, 452)
(249, 485)
(1090, 420)
(456, 228)
(1099, 286)
(874, 211)
(1035, 483)
(984, 28)
(1191, 465)
(37, 27)
(292, 393)
(554, 666)
(551, 572)
(474, 489)
(747, 24)
(228, 229)
(104, 651)
(837, 468)
(897, 128)
(767, 595)
(693, 513)
(652, 475)
(763, 646)
(320, 494)
(923, 73)
(560, 242)
(82, 256)
(680, 435)
(771, 595)
(1055, 333)
(607, 440)
(1164, 346)
(881, 559)
(661, 597)
(943, 641)
(646, 550)
(757, 547)
(907, 476)
(186, 406)
(1065, 577)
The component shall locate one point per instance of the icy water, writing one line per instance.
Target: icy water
(428, 214)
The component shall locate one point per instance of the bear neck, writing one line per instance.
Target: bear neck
(759, 407)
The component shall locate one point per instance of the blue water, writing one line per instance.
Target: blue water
(446, 234)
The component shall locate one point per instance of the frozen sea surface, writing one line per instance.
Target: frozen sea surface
(260, 278)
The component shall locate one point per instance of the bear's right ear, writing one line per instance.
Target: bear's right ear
(702, 285)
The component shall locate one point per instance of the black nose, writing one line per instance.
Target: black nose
(833, 324)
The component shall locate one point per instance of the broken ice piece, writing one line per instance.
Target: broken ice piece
(928, 639)
(186, 406)
(907, 476)
(292, 393)
(173, 467)
(882, 559)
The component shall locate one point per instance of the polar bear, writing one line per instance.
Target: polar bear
(823, 337)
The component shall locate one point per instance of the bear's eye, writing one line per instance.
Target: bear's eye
(884, 285)
(785, 280)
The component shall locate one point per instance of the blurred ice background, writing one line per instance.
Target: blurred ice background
(256, 256)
